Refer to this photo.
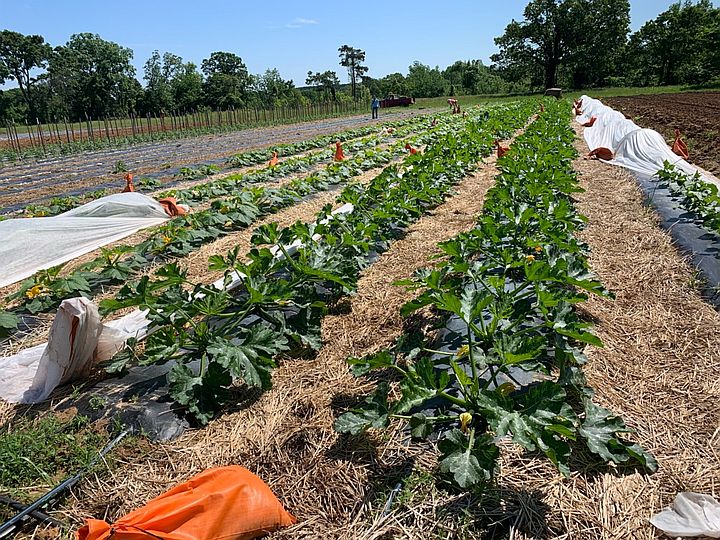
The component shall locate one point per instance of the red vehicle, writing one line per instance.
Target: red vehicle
(394, 100)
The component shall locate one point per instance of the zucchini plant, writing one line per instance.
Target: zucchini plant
(504, 363)
(220, 341)
(697, 195)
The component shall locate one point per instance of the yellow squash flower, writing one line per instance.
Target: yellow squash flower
(530, 258)
(35, 291)
(465, 419)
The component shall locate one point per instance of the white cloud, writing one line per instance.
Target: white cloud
(299, 22)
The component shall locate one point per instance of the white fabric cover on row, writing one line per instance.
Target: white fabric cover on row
(635, 148)
(31, 244)
(78, 340)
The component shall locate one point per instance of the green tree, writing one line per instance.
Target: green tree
(159, 75)
(394, 83)
(19, 56)
(326, 83)
(13, 106)
(680, 46)
(423, 81)
(227, 80)
(271, 90)
(94, 76)
(582, 38)
(187, 87)
(352, 59)
(590, 62)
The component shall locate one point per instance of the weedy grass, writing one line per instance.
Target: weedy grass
(36, 454)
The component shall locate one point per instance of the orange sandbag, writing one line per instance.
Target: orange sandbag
(274, 160)
(129, 186)
(339, 155)
(408, 147)
(601, 153)
(679, 147)
(228, 503)
(171, 207)
(590, 122)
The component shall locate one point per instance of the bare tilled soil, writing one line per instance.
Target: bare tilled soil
(33, 182)
(695, 114)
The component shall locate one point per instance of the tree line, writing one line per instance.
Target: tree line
(570, 43)
(588, 43)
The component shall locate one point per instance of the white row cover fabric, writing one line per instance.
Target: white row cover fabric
(78, 340)
(31, 244)
(635, 148)
(691, 514)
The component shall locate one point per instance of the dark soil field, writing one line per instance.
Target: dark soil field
(695, 114)
(38, 181)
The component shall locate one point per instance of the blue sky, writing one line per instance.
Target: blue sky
(294, 36)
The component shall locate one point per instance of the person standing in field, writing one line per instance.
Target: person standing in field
(454, 104)
(375, 107)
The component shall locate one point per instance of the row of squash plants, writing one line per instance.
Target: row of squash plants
(230, 184)
(504, 361)
(58, 205)
(697, 195)
(182, 235)
(223, 342)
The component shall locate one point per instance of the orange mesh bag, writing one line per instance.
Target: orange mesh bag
(410, 148)
(501, 150)
(591, 122)
(679, 147)
(171, 207)
(225, 503)
(339, 155)
(274, 160)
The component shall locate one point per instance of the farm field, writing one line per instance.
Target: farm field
(38, 181)
(434, 344)
(695, 114)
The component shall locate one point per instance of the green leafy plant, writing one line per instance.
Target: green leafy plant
(119, 167)
(506, 363)
(221, 341)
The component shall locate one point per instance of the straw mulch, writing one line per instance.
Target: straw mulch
(286, 435)
(658, 370)
(659, 366)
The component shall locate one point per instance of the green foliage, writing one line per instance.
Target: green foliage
(352, 59)
(680, 46)
(326, 83)
(44, 451)
(222, 341)
(226, 81)
(581, 38)
(93, 77)
(697, 195)
(119, 167)
(508, 364)
(19, 56)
